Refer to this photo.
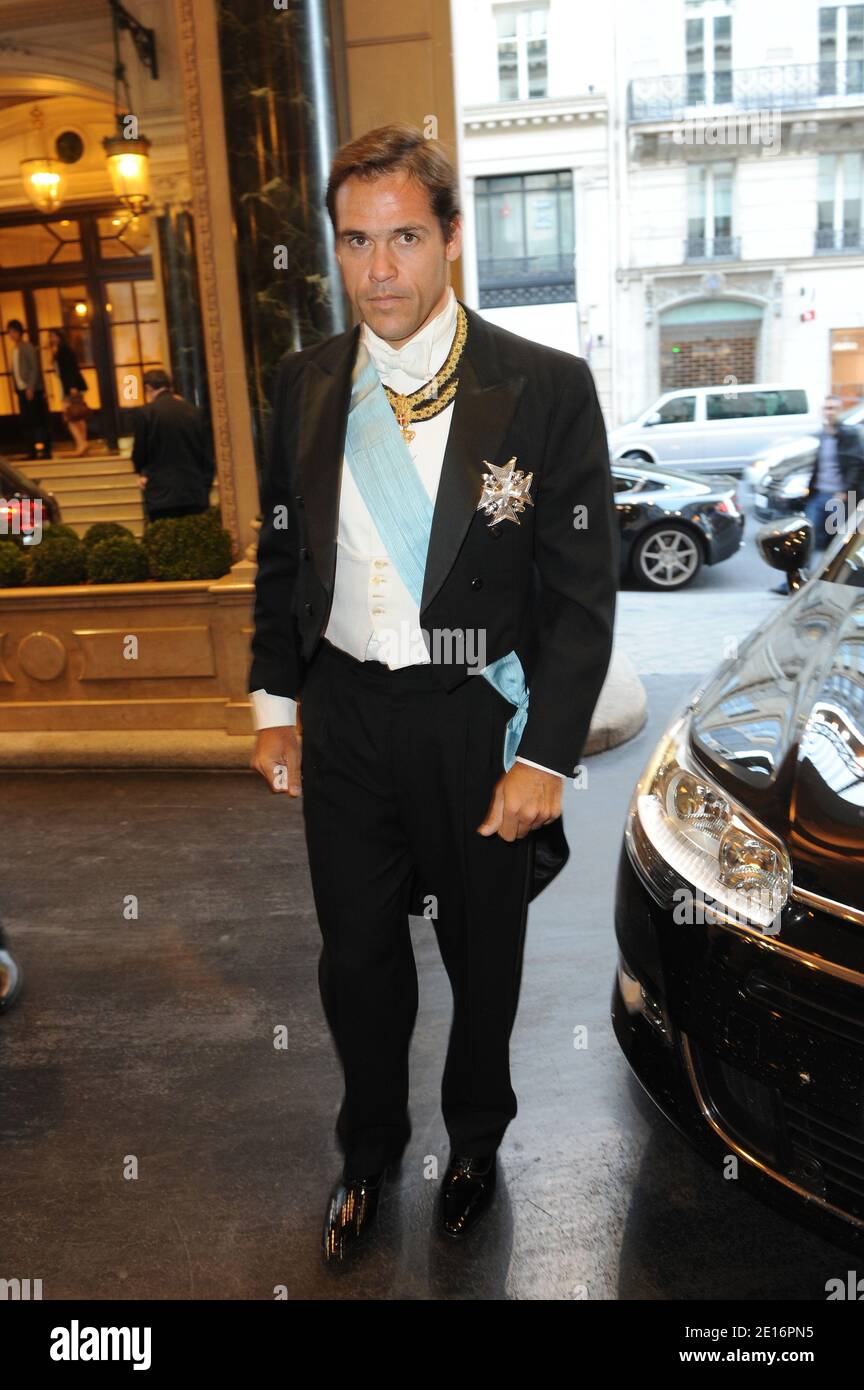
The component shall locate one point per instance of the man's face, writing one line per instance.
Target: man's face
(14, 334)
(831, 411)
(392, 253)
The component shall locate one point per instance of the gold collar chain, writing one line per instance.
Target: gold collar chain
(439, 391)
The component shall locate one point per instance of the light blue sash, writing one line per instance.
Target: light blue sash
(401, 509)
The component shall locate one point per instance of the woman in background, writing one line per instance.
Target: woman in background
(75, 408)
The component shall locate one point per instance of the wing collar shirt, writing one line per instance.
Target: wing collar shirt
(373, 616)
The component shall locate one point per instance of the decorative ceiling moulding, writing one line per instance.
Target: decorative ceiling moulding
(27, 86)
(170, 190)
(26, 14)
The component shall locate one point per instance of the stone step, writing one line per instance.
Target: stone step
(105, 481)
(87, 497)
(54, 470)
(110, 512)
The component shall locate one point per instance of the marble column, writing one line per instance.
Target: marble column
(279, 97)
(179, 274)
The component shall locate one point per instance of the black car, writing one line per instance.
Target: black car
(739, 997)
(673, 522)
(38, 506)
(782, 487)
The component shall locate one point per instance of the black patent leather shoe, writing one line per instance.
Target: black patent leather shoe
(11, 980)
(467, 1192)
(351, 1214)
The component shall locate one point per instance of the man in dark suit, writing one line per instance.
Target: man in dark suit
(32, 401)
(838, 474)
(836, 484)
(171, 451)
(389, 637)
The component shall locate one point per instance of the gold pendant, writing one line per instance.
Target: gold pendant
(403, 419)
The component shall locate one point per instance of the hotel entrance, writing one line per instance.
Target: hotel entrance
(89, 275)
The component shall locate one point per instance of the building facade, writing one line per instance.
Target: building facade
(716, 156)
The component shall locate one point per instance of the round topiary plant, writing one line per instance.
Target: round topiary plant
(188, 547)
(64, 561)
(13, 567)
(58, 530)
(104, 531)
(117, 560)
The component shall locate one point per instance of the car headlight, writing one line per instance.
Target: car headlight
(796, 485)
(698, 849)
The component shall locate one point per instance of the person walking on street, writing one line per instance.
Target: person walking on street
(837, 482)
(437, 570)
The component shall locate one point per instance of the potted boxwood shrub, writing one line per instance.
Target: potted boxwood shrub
(188, 547)
(117, 560)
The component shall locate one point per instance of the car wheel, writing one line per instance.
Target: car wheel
(667, 557)
(635, 456)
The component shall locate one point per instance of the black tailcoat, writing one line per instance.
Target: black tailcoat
(544, 587)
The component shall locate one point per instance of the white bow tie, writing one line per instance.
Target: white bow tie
(412, 359)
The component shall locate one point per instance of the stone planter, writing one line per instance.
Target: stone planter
(127, 656)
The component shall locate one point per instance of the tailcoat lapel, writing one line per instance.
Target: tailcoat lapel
(483, 409)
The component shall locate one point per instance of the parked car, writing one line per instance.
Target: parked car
(739, 996)
(672, 523)
(781, 477)
(15, 487)
(714, 429)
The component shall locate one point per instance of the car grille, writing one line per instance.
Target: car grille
(830, 1152)
(826, 1014)
(818, 1146)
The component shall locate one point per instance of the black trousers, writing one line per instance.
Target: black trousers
(184, 509)
(35, 422)
(397, 774)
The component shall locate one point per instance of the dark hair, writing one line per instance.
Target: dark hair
(391, 147)
(59, 335)
(157, 379)
(16, 324)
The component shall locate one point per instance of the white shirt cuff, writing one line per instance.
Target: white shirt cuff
(271, 711)
(529, 763)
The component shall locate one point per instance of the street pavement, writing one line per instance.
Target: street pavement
(171, 1017)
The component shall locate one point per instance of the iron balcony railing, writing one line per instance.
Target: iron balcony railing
(717, 248)
(522, 270)
(846, 239)
(789, 86)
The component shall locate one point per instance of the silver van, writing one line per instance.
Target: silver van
(714, 429)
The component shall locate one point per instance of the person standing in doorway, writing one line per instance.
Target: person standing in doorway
(73, 386)
(27, 374)
(171, 452)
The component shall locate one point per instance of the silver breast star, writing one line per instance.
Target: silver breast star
(505, 492)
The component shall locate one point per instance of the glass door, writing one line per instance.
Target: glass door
(66, 309)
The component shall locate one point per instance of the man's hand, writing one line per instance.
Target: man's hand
(142, 481)
(524, 799)
(29, 393)
(277, 758)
